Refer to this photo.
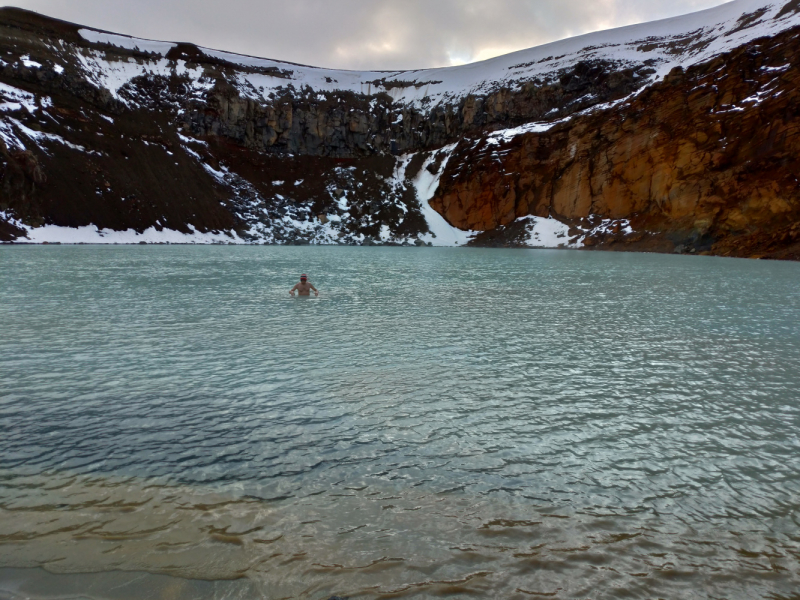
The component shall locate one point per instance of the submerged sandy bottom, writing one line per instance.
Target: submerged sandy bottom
(128, 538)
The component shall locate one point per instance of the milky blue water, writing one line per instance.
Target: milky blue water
(463, 422)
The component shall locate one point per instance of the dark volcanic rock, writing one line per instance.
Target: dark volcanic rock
(104, 130)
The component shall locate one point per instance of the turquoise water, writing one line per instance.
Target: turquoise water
(463, 422)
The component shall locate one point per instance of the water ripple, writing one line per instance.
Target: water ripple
(441, 421)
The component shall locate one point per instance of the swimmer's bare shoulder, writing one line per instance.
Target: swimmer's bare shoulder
(304, 287)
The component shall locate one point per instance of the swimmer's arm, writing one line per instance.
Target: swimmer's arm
(291, 291)
(316, 292)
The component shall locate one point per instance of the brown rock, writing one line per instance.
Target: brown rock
(678, 158)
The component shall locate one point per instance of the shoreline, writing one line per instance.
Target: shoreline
(396, 245)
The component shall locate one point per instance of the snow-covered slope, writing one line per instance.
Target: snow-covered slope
(662, 45)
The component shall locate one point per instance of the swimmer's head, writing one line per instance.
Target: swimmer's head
(303, 277)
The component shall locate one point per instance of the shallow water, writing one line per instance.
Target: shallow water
(483, 423)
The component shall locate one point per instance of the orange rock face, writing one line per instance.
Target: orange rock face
(713, 152)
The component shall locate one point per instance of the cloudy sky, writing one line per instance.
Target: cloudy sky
(363, 34)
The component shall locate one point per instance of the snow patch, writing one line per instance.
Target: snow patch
(126, 42)
(776, 69)
(506, 135)
(53, 234)
(548, 233)
(192, 153)
(116, 74)
(30, 64)
(40, 136)
(607, 226)
(16, 99)
(11, 129)
(218, 175)
(189, 140)
(425, 183)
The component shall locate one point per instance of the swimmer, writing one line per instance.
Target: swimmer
(304, 287)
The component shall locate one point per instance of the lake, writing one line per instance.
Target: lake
(439, 422)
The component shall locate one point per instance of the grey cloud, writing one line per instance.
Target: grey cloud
(363, 34)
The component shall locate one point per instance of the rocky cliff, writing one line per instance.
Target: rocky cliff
(705, 161)
(679, 135)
